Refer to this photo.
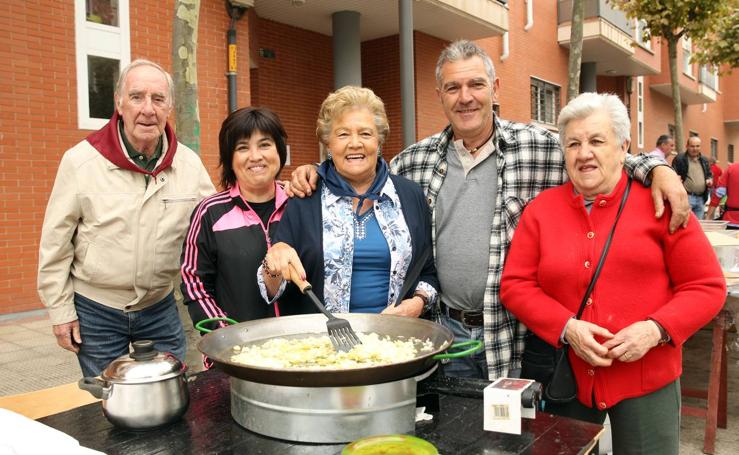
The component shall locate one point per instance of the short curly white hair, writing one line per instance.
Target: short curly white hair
(586, 104)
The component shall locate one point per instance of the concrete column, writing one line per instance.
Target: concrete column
(588, 77)
(347, 49)
(407, 77)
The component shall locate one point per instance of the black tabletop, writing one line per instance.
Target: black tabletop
(207, 428)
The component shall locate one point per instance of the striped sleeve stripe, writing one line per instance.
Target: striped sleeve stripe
(193, 283)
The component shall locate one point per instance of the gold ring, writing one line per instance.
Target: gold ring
(627, 356)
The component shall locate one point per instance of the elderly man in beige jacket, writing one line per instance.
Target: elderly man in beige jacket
(114, 226)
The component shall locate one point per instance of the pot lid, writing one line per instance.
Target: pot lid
(142, 365)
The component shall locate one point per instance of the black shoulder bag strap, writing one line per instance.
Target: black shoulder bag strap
(562, 387)
(605, 251)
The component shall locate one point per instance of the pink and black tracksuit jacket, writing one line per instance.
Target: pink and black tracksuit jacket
(224, 246)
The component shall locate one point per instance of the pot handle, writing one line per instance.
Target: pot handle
(476, 346)
(95, 386)
(200, 325)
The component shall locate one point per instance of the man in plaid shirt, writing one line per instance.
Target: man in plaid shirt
(483, 162)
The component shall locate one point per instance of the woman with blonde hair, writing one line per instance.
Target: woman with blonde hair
(358, 235)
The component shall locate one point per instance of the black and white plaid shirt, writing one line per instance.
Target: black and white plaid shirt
(529, 160)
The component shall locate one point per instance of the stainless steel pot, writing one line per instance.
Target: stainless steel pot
(141, 390)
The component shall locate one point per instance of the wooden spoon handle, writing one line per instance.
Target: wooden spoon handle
(299, 282)
(306, 288)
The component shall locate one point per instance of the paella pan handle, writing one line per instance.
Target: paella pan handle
(200, 326)
(476, 346)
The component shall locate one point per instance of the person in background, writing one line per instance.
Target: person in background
(626, 349)
(716, 170)
(114, 225)
(695, 172)
(665, 149)
(718, 191)
(361, 232)
(727, 187)
(230, 231)
(478, 175)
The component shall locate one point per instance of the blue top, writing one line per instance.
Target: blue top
(301, 227)
(371, 266)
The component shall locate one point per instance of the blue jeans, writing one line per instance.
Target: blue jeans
(697, 205)
(106, 332)
(474, 366)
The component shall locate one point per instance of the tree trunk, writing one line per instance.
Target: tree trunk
(184, 72)
(575, 58)
(677, 104)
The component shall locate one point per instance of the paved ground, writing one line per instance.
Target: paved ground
(30, 360)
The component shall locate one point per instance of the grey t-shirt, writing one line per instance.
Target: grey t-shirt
(464, 216)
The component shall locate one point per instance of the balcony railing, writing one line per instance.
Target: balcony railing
(596, 8)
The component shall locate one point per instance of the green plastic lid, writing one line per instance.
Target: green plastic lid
(393, 444)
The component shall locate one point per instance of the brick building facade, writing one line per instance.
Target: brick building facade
(288, 67)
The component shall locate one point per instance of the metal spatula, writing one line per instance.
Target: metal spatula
(340, 332)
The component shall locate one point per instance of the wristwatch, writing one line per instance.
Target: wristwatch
(664, 337)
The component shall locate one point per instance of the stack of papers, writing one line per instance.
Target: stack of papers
(20, 435)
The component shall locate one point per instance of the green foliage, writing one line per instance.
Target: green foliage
(712, 25)
(706, 22)
(723, 47)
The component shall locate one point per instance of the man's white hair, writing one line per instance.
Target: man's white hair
(143, 62)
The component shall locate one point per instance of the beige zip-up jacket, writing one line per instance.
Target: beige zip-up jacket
(111, 237)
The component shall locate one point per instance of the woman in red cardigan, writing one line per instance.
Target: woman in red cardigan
(654, 291)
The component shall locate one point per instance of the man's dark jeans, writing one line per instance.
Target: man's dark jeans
(107, 332)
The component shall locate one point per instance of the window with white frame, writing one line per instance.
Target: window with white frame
(708, 75)
(640, 112)
(687, 54)
(544, 101)
(641, 34)
(714, 72)
(103, 47)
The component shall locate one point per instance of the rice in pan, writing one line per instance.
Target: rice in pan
(317, 352)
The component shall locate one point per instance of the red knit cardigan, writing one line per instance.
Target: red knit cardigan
(674, 279)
